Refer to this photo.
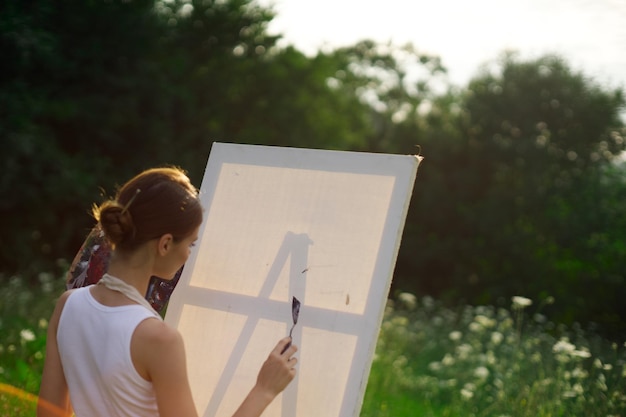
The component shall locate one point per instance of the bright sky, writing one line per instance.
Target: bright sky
(589, 34)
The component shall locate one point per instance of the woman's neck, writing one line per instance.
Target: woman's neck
(133, 268)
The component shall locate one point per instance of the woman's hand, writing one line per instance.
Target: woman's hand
(277, 372)
(279, 368)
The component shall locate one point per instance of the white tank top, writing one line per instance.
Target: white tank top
(94, 345)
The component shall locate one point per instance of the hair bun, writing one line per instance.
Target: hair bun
(117, 223)
(156, 202)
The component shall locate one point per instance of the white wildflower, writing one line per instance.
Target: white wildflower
(563, 346)
(580, 373)
(434, 366)
(475, 327)
(521, 302)
(27, 335)
(496, 338)
(455, 335)
(468, 391)
(464, 351)
(485, 321)
(481, 372)
(582, 353)
(408, 299)
(578, 388)
(447, 360)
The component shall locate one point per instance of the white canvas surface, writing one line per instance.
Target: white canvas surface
(323, 226)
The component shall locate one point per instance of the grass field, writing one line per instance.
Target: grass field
(430, 360)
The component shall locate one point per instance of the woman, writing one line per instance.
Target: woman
(108, 352)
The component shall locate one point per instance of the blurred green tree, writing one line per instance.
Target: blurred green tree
(521, 196)
(94, 91)
(64, 95)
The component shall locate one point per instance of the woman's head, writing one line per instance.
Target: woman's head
(156, 202)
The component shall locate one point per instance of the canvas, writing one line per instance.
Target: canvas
(321, 226)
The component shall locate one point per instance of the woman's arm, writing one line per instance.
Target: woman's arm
(158, 353)
(54, 399)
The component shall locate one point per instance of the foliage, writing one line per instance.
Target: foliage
(519, 192)
(24, 314)
(87, 103)
(488, 361)
(391, 81)
(430, 360)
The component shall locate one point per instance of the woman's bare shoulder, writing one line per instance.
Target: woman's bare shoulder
(157, 334)
(60, 304)
(63, 298)
(157, 350)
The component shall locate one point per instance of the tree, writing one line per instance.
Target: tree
(528, 184)
(94, 91)
(57, 78)
(393, 83)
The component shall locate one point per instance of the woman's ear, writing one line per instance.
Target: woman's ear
(165, 244)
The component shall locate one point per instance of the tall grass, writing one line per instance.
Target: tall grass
(430, 360)
(24, 313)
(487, 361)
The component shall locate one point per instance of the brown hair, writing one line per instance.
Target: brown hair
(155, 202)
